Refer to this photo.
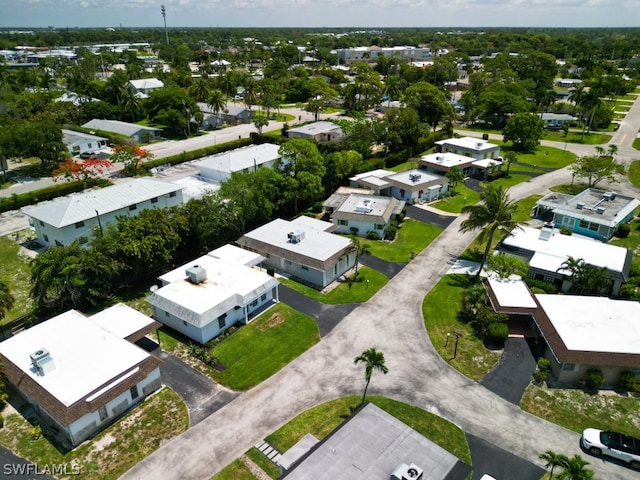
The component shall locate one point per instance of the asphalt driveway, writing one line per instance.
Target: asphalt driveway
(511, 376)
(426, 216)
(390, 269)
(488, 458)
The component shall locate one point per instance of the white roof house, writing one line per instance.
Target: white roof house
(477, 148)
(79, 142)
(362, 213)
(204, 297)
(65, 219)
(320, 131)
(137, 132)
(443, 162)
(219, 167)
(145, 86)
(72, 367)
(302, 247)
(409, 186)
(547, 249)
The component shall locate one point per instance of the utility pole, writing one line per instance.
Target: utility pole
(164, 16)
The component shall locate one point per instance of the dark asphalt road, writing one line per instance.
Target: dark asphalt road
(500, 464)
(442, 221)
(390, 269)
(14, 467)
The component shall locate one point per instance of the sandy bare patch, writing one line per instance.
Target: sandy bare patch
(273, 321)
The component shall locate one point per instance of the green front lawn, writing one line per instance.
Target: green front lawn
(236, 470)
(463, 196)
(440, 309)
(577, 410)
(323, 419)
(413, 236)
(16, 274)
(636, 144)
(261, 348)
(113, 451)
(634, 173)
(547, 157)
(592, 138)
(368, 282)
(632, 242)
(572, 189)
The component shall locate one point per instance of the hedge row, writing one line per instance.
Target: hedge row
(20, 200)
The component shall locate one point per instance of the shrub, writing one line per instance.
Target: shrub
(594, 379)
(547, 287)
(544, 364)
(626, 381)
(354, 231)
(317, 207)
(540, 375)
(623, 230)
(390, 232)
(372, 235)
(1, 421)
(497, 333)
(271, 271)
(495, 175)
(566, 231)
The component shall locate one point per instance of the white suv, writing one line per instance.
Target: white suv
(612, 444)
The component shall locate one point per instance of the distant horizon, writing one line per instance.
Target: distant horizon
(415, 14)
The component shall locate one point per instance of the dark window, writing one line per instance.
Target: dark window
(172, 194)
(79, 224)
(154, 200)
(222, 321)
(41, 223)
(343, 222)
(133, 207)
(134, 392)
(263, 297)
(46, 238)
(102, 411)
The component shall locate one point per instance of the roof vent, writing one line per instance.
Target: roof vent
(580, 205)
(407, 472)
(196, 274)
(600, 210)
(42, 362)
(547, 232)
(609, 196)
(295, 237)
(479, 145)
(439, 158)
(414, 177)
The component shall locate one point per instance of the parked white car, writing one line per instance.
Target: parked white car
(613, 444)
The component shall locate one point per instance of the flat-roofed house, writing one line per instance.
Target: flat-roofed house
(79, 142)
(81, 373)
(441, 163)
(144, 86)
(547, 249)
(77, 216)
(304, 248)
(412, 186)
(139, 133)
(371, 445)
(581, 333)
(475, 148)
(318, 131)
(219, 167)
(204, 297)
(360, 214)
(594, 213)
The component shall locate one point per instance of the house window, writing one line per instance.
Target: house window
(402, 192)
(222, 321)
(133, 207)
(83, 240)
(102, 411)
(79, 224)
(584, 224)
(379, 226)
(343, 222)
(41, 223)
(184, 322)
(46, 238)
(304, 267)
(154, 200)
(254, 303)
(89, 145)
(569, 367)
(593, 227)
(134, 392)
(263, 297)
(172, 194)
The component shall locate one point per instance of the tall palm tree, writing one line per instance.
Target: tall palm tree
(217, 101)
(496, 211)
(574, 469)
(455, 176)
(612, 150)
(510, 157)
(361, 248)
(6, 300)
(200, 89)
(373, 360)
(260, 121)
(131, 103)
(553, 460)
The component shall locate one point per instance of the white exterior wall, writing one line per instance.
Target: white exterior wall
(48, 234)
(362, 226)
(86, 145)
(579, 372)
(212, 173)
(212, 329)
(314, 276)
(75, 430)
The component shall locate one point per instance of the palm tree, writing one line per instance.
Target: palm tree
(361, 248)
(553, 460)
(455, 176)
(217, 101)
(574, 469)
(373, 360)
(612, 150)
(200, 89)
(510, 157)
(131, 103)
(6, 300)
(260, 121)
(496, 211)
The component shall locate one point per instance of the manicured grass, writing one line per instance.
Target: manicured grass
(592, 138)
(634, 173)
(547, 157)
(322, 419)
(632, 242)
(440, 310)
(629, 96)
(356, 292)
(16, 274)
(573, 189)
(236, 470)
(403, 167)
(525, 206)
(413, 236)
(264, 463)
(463, 196)
(113, 451)
(576, 410)
(261, 348)
(636, 144)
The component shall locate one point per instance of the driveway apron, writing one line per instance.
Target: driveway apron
(425, 216)
(497, 462)
(390, 269)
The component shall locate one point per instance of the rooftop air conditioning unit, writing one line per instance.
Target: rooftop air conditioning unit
(42, 361)
(407, 472)
(600, 210)
(580, 205)
(196, 274)
(609, 196)
(295, 237)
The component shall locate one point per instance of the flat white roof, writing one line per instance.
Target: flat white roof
(562, 246)
(85, 355)
(366, 205)
(78, 207)
(233, 254)
(446, 160)
(316, 128)
(511, 293)
(469, 143)
(379, 173)
(488, 162)
(317, 243)
(121, 320)
(240, 159)
(594, 324)
(416, 177)
(227, 285)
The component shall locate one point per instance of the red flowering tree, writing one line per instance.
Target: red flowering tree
(72, 169)
(131, 156)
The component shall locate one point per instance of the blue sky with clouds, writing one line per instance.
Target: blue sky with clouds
(325, 13)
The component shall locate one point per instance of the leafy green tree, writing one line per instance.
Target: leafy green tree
(498, 101)
(211, 221)
(495, 212)
(510, 157)
(7, 301)
(340, 165)
(574, 468)
(200, 89)
(506, 265)
(429, 102)
(524, 130)
(373, 360)
(552, 460)
(404, 130)
(596, 168)
(163, 104)
(131, 156)
(260, 121)
(455, 176)
(217, 101)
(270, 93)
(304, 170)
(586, 279)
(39, 139)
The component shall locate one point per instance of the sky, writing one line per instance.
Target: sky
(320, 13)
